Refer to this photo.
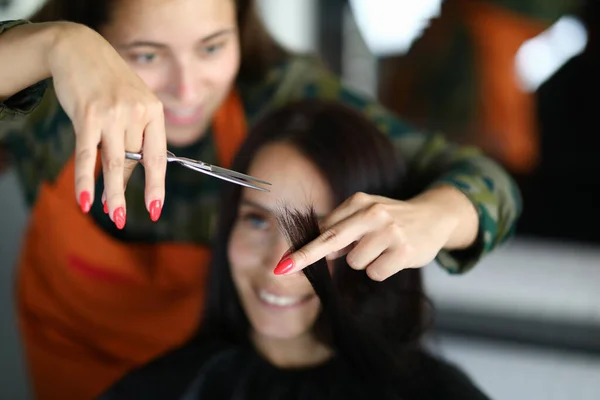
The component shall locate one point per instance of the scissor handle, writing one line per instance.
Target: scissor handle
(139, 156)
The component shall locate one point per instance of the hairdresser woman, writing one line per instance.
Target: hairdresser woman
(109, 278)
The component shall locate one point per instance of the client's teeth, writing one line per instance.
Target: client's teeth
(281, 301)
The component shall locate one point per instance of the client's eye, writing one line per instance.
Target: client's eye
(255, 221)
(211, 49)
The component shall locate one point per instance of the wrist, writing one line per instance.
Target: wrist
(455, 213)
(27, 47)
(59, 36)
(39, 40)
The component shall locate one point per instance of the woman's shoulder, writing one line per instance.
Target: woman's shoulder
(307, 77)
(299, 76)
(283, 82)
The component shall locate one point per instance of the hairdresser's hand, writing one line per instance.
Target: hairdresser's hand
(385, 236)
(108, 105)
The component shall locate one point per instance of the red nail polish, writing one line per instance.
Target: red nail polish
(285, 255)
(155, 210)
(119, 217)
(105, 207)
(284, 266)
(85, 201)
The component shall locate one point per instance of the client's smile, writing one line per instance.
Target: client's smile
(282, 301)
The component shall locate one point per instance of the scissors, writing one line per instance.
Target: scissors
(208, 169)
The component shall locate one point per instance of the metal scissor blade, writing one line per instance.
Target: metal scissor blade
(225, 177)
(221, 171)
(218, 172)
(239, 175)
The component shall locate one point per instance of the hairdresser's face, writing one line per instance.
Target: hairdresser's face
(283, 307)
(187, 52)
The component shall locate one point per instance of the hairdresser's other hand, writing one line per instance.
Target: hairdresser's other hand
(109, 105)
(384, 236)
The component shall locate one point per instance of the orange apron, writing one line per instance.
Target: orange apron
(90, 307)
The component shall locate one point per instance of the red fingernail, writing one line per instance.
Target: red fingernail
(85, 201)
(284, 266)
(119, 217)
(285, 255)
(155, 210)
(105, 207)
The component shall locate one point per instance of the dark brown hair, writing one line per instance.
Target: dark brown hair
(353, 156)
(372, 326)
(259, 51)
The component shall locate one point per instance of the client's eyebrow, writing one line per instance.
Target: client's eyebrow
(254, 204)
(251, 203)
(217, 34)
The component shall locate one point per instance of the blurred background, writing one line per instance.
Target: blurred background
(517, 78)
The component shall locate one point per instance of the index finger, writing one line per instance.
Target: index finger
(86, 151)
(334, 239)
(155, 165)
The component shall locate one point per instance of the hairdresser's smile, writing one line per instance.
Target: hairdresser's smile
(280, 301)
(183, 116)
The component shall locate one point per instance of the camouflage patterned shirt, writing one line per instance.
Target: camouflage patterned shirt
(40, 137)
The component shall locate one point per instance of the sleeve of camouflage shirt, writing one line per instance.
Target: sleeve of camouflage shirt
(26, 100)
(433, 161)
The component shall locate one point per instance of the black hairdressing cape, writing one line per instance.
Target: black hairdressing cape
(204, 369)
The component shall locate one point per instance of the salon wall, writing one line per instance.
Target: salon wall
(539, 282)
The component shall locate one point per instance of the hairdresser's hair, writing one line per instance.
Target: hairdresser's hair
(353, 156)
(259, 51)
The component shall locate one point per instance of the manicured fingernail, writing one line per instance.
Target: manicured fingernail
(119, 217)
(284, 266)
(155, 210)
(85, 201)
(105, 207)
(285, 255)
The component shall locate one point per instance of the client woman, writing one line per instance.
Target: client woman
(322, 333)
